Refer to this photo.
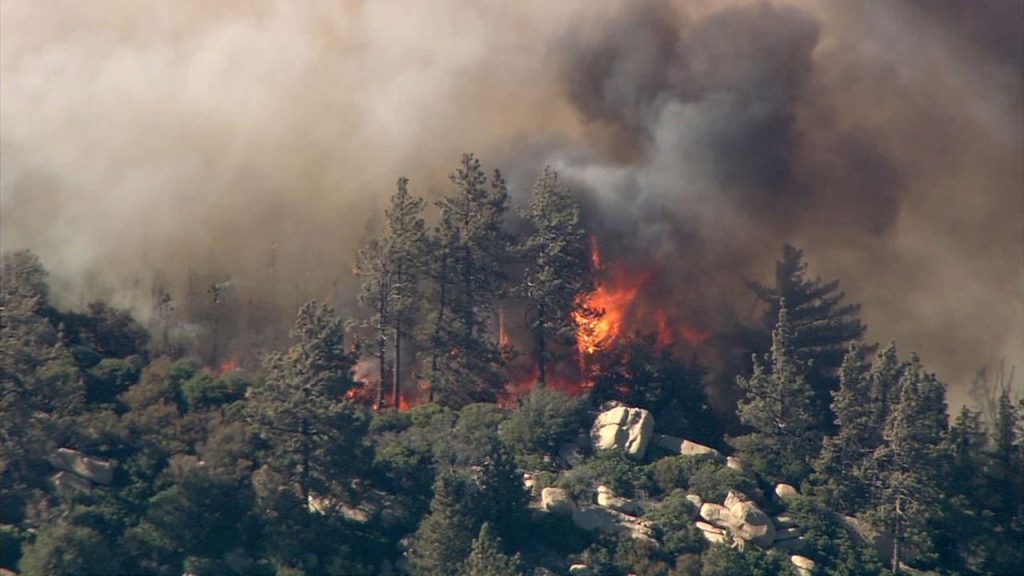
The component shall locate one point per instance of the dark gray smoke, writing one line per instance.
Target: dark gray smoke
(886, 138)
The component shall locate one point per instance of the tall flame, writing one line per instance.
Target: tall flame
(606, 308)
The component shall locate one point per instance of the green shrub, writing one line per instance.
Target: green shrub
(545, 419)
(609, 467)
(712, 481)
(674, 522)
(109, 378)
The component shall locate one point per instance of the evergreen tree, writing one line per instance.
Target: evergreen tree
(468, 278)
(907, 464)
(778, 406)
(840, 468)
(374, 268)
(443, 539)
(390, 269)
(823, 325)
(312, 435)
(488, 559)
(41, 388)
(558, 275)
(408, 236)
(1004, 473)
(500, 495)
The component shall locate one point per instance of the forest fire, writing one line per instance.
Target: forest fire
(613, 300)
(625, 302)
(225, 367)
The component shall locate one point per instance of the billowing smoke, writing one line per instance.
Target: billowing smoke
(252, 140)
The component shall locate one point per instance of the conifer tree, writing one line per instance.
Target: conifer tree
(312, 435)
(838, 469)
(374, 266)
(390, 269)
(408, 241)
(487, 557)
(467, 273)
(778, 406)
(907, 464)
(443, 539)
(558, 273)
(823, 325)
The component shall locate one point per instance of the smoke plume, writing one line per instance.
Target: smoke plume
(253, 140)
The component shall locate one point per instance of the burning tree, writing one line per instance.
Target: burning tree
(390, 269)
(558, 279)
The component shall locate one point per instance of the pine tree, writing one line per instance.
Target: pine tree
(558, 274)
(408, 241)
(443, 538)
(488, 559)
(312, 435)
(390, 270)
(778, 406)
(374, 267)
(468, 278)
(842, 456)
(501, 498)
(823, 326)
(907, 464)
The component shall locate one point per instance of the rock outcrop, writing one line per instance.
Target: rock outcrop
(686, 448)
(712, 533)
(557, 501)
(67, 481)
(608, 499)
(92, 469)
(623, 428)
(785, 492)
(741, 467)
(804, 565)
(742, 518)
(608, 521)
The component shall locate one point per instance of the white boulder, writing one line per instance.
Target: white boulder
(804, 565)
(741, 467)
(607, 521)
(557, 501)
(686, 448)
(624, 428)
(67, 481)
(92, 469)
(608, 499)
(785, 492)
(742, 518)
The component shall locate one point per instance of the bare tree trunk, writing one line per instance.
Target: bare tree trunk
(395, 385)
(437, 326)
(542, 349)
(382, 346)
(897, 537)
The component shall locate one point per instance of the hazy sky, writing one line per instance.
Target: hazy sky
(886, 138)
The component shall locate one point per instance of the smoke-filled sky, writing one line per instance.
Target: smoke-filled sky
(886, 138)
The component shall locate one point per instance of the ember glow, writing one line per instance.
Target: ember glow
(225, 367)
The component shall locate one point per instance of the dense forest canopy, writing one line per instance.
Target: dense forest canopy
(729, 287)
(426, 437)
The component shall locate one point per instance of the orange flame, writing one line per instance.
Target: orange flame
(225, 367)
(595, 253)
(613, 300)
